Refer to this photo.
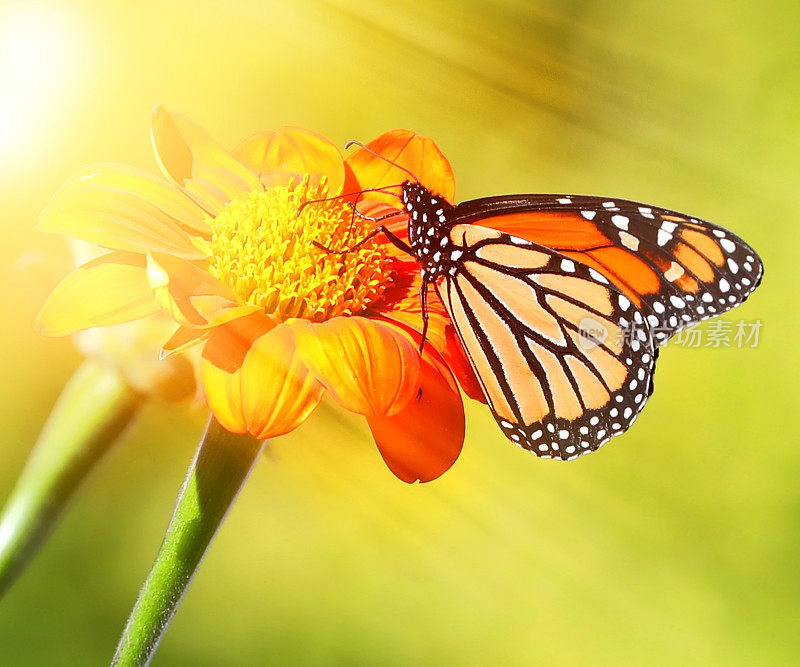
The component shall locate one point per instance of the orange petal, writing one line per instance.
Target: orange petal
(291, 153)
(191, 295)
(422, 441)
(123, 208)
(183, 339)
(370, 367)
(443, 338)
(254, 380)
(199, 165)
(222, 360)
(404, 307)
(420, 155)
(278, 389)
(229, 343)
(457, 362)
(108, 290)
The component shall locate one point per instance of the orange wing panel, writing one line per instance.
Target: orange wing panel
(705, 245)
(553, 229)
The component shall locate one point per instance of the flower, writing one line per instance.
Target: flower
(225, 247)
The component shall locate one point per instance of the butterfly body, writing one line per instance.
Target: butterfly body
(561, 327)
(428, 231)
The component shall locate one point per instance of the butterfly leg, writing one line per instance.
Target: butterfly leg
(355, 212)
(423, 298)
(393, 239)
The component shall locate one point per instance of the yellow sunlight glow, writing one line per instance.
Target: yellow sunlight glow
(37, 53)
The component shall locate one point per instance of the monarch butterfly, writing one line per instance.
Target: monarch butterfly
(562, 327)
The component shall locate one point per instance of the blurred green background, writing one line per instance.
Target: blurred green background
(678, 543)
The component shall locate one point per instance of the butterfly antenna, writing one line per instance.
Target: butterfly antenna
(352, 142)
(360, 193)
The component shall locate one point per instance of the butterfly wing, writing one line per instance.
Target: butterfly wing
(676, 268)
(565, 359)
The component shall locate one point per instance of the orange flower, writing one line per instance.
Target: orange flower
(225, 249)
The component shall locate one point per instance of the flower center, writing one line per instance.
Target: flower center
(263, 250)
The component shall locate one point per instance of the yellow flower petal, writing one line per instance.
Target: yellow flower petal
(187, 155)
(148, 186)
(122, 208)
(108, 290)
(368, 366)
(191, 295)
(224, 396)
(291, 153)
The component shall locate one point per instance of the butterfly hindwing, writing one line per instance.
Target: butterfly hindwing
(565, 358)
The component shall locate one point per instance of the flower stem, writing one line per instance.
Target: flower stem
(220, 467)
(91, 412)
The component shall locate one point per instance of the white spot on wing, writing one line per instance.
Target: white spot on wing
(629, 241)
(620, 221)
(674, 272)
(677, 301)
(669, 226)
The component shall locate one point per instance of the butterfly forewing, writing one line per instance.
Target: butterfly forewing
(565, 358)
(676, 268)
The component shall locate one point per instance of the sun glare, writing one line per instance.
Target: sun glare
(38, 45)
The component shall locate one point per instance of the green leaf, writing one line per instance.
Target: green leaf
(220, 467)
(93, 409)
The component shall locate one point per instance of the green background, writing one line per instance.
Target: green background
(678, 543)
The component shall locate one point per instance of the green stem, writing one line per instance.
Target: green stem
(220, 467)
(91, 412)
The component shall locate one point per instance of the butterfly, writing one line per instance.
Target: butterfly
(562, 327)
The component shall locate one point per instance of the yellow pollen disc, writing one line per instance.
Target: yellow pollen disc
(264, 251)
